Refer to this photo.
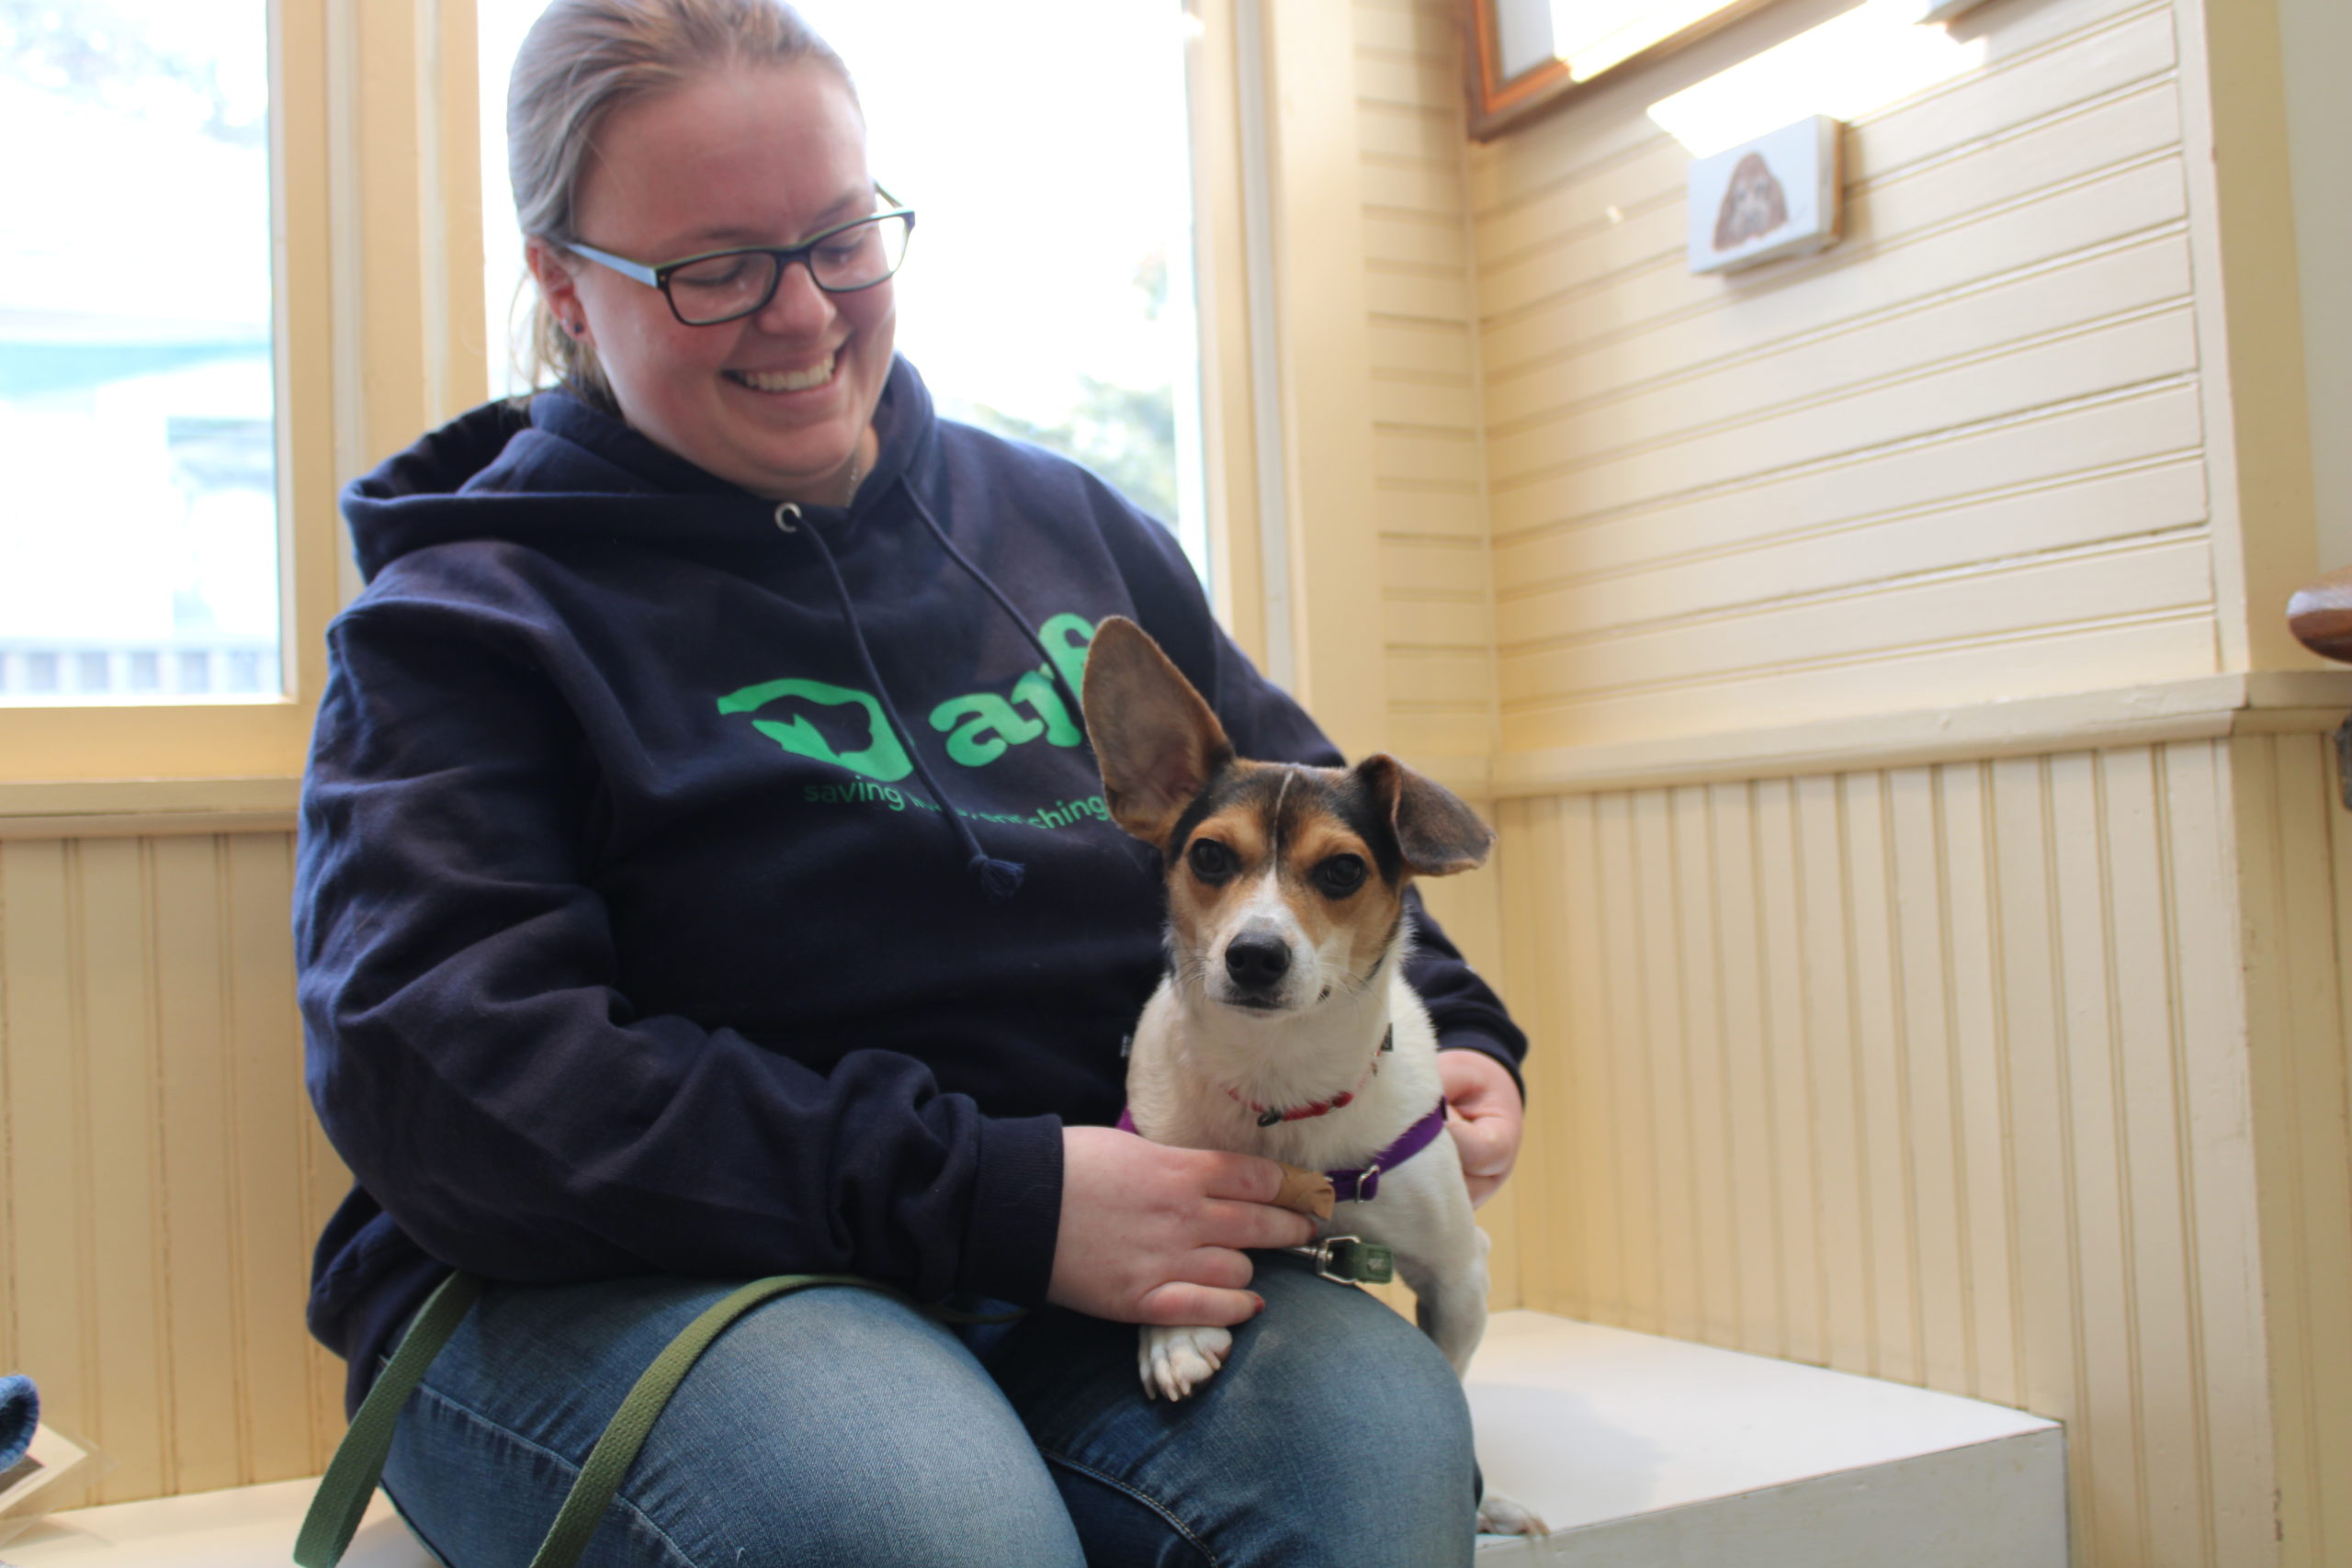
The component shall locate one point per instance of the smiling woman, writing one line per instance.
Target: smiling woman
(1049, 293)
(777, 398)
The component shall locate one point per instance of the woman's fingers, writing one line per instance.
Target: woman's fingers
(1488, 1144)
(1143, 1224)
(1243, 1176)
(1181, 1301)
(1217, 1267)
(1484, 1113)
(1254, 1225)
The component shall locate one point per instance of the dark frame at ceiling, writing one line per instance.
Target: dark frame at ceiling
(1499, 103)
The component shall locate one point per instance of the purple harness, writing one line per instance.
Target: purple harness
(1364, 1185)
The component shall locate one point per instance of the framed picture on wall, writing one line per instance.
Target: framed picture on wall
(1523, 56)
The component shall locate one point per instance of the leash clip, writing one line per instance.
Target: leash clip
(1349, 1260)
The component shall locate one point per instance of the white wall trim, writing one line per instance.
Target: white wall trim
(147, 808)
(1265, 350)
(2200, 709)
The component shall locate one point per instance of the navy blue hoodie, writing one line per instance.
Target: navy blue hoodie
(631, 938)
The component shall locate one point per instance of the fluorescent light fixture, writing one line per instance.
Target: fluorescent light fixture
(1845, 68)
(1593, 35)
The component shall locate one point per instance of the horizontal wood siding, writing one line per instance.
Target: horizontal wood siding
(1428, 443)
(1957, 458)
(1938, 1073)
(164, 1176)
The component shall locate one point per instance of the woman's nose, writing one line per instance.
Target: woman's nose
(798, 307)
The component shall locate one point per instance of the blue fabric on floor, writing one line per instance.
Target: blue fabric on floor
(19, 1415)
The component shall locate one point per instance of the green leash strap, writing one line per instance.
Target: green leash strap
(617, 1449)
(358, 1464)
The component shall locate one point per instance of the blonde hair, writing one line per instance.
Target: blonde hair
(582, 61)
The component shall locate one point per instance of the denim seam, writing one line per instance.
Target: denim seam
(501, 1430)
(1153, 1503)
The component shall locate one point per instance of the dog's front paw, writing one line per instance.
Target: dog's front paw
(1175, 1361)
(1497, 1515)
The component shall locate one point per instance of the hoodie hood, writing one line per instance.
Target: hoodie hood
(550, 466)
(558, 469)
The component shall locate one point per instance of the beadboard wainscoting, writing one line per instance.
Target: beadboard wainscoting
(2016, 1078)
(164, 1178)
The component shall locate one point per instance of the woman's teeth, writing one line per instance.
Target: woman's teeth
(787, 380)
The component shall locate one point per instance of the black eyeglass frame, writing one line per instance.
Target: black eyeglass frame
(659, 276)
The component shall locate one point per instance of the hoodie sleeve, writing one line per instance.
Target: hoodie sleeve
(476, 1062)
(1265, 723)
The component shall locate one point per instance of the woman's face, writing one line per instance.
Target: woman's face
(782, 401)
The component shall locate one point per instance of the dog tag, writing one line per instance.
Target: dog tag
(1364, 1262)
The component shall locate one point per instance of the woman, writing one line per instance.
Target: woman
(704, 876)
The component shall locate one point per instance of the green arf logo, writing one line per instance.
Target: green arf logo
(980, 726)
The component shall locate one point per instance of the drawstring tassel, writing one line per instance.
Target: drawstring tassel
(1000, 879)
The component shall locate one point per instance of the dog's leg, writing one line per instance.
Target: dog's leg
(1175, 1361)
(1497, 1515)
(1452, 1309)
(1450, 1300)
(1423, 1212)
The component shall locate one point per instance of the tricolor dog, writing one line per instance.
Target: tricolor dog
(1285, 1027)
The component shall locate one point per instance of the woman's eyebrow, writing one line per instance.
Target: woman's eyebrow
(842, 212)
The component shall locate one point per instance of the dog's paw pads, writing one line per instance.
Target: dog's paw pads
(1497, 1515)
(1175, 1361)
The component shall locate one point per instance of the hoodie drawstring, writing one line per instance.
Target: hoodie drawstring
(1052, 665)
(1000, 878)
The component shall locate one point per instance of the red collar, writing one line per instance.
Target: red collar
(1269, 1116)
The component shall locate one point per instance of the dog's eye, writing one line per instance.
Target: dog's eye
(1212, 862)
(1339, 876)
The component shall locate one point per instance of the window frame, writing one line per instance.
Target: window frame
(1499, 103)
(372, 342)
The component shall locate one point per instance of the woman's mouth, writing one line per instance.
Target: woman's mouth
(787, 380)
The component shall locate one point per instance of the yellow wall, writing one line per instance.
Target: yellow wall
(164, 1180)
(1958, 456)
(1428, 460)
(1942, 1074)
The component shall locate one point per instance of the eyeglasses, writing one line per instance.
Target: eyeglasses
(724, 286)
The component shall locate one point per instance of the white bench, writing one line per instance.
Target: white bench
(1655, 1453)
(246, 1527)
(1640, 1453)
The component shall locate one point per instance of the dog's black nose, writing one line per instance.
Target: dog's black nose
(1257, 963)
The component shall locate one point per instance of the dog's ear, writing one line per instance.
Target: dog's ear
(1157, 742)
(1437, 834)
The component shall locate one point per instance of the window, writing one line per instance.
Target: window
(1089, 349)
(139, 537)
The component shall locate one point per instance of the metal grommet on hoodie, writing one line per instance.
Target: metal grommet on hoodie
(788, 516)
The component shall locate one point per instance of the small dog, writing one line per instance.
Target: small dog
(1285, 1027)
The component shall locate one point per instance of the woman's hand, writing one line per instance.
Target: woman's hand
(1152, 1233)
(1484, 1114)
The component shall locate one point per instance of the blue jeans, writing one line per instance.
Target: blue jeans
(837, 1427)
